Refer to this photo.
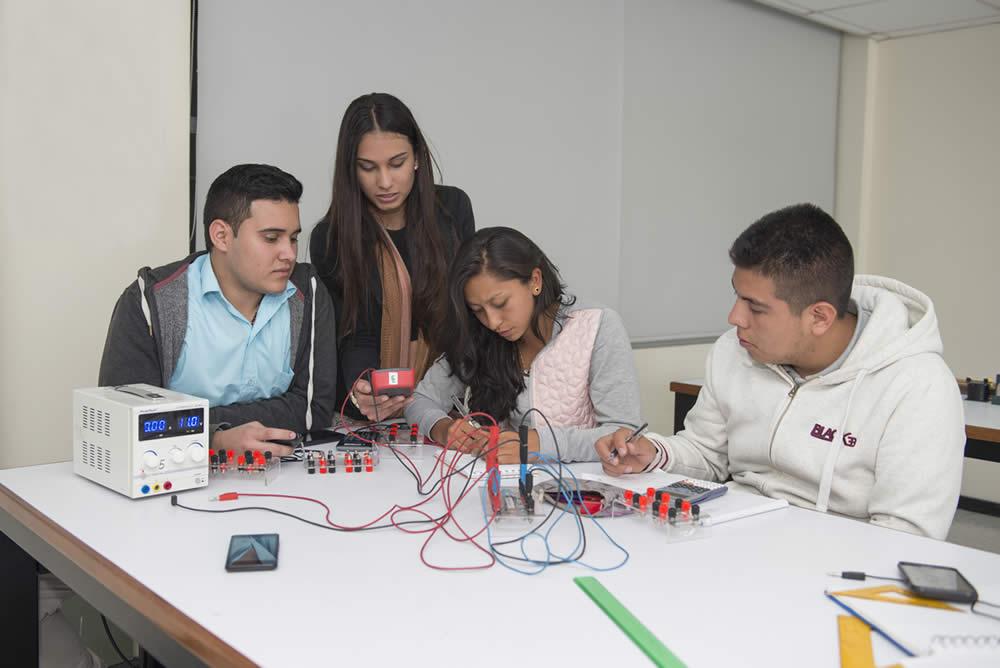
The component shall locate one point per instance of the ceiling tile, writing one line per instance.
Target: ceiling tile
(942, 27)
(843, 26)
(898, 15)
(823, 5)
(784, 6)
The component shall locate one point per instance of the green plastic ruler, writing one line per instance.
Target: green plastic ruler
(627, 622)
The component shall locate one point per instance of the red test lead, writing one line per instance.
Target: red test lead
(228, 496)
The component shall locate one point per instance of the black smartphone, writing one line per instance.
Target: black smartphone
(293, 442)
(322, 437)
(253, 552)
(943, 583)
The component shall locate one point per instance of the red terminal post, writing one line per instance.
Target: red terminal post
(230, 454)
(349, 463)
(211, 451)
(651, 493)
(368, 464)
(665, 498)
(628, 497)
(685, 506)
(322, 465)
(663, 510)
(643, 503)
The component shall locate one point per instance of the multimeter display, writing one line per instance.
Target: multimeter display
(171, 423)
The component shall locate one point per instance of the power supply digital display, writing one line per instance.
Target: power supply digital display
(171, 423)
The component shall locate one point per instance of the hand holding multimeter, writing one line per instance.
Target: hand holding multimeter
(383, 393)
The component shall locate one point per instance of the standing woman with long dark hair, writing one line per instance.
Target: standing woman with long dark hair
(384, 246)
(519, 342)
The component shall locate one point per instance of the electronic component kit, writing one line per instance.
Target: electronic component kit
(249, 465)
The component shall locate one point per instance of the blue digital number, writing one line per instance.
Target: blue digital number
(154, 426)
(189, 422)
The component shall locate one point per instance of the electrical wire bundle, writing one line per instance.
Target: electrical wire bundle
(454, 483)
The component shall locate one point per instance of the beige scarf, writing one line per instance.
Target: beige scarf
(397, 350)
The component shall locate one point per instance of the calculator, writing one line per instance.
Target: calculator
(695, 491)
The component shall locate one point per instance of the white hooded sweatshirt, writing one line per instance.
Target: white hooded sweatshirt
(880, 438)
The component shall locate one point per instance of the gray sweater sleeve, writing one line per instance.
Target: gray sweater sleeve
(614, 392)
(432, 398)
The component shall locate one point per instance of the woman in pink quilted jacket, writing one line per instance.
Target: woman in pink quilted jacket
(524, 351)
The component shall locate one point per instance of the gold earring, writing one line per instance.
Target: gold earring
(537, 290)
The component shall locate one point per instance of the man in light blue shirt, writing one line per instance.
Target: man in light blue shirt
(226, 357)
(242, 325)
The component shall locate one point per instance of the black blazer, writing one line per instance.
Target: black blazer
(362, 348)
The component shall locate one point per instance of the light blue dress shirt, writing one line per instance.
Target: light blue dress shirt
(225, 358)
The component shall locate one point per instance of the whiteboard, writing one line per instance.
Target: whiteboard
(630, 139)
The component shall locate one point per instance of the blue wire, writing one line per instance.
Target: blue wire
(594, 520)
(568, 508)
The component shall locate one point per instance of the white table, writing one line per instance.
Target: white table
(751, 594)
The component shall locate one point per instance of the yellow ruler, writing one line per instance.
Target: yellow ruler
(894, 594)
(855, 643)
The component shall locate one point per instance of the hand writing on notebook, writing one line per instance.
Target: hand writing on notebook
(619, 455)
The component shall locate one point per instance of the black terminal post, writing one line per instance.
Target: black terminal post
(526, 481)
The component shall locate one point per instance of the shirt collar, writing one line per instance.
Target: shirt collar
(210, 282)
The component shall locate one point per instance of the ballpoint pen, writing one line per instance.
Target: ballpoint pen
(631, 437)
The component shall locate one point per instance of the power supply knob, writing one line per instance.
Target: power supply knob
(150, 460)
(196, 451)
(177, 455)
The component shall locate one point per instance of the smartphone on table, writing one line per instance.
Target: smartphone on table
(252, 552)
(942, 583)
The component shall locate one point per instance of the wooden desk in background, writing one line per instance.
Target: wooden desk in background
(982, 434)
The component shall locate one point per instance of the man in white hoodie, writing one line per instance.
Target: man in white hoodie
(830, 390)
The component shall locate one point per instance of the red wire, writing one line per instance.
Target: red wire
(447, 471)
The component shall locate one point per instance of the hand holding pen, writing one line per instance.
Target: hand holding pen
(625, 451)
(463, 434)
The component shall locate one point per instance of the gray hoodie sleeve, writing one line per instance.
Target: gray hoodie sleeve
(130, 351)
(614, 392)
(432, 398)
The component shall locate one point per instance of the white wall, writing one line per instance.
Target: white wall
(920, 180)
(93, 185)
(936, 183)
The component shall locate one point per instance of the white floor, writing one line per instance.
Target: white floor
(976, 530)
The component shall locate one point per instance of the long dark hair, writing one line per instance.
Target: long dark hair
(481, 359)
(354, 231)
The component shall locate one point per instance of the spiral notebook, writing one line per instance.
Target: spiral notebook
(937, 637)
